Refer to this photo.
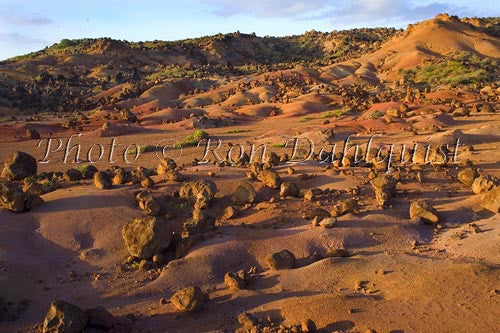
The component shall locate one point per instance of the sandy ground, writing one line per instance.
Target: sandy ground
(71, 247)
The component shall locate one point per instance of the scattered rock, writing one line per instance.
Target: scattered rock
(491, 200)
(244, 193)
(146, 236)
(88, 171)
(484, 183)
(190, 299)
(384, 187)
(289, 189)
(312, 194)
(72, 175)
(173, 176)
(18, 166)
(281, 260)
(64, 317)
(148, 182)
(102, 180)
(422, 209)
(328, 222)
(467, 176)
(165, 165)
(200, 192)
(345, 207)
(200, 222)
(14, 199)
(100, 318)
(236, 280)
(148, 203)
(270, 178)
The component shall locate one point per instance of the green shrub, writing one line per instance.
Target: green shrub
(194, 138)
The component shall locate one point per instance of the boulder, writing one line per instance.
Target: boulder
(165, 165)
(72, 175)
(88, 171)
(491, 200)
(313, 194)
(235, 280)
(146, 236)
(99, 318)
(18, 166)
(148, 203)
(200, 192)
(384, 186)
(148, 182)
(423, 209)
(270, 178)
(200, 222)
(484, 183)
(345, 207)
(281, 260)
(272, 158)
(173, 176)
(244, 194)
(121, 176)
(14, 199)
(289, 189)
(102, 180)
(190, 299)
(64, 317)
(467, 176)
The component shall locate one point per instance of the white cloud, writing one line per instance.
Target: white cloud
(14, 37)
(267, 8)
(28, 20)
(351, 12)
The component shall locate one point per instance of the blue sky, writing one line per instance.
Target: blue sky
(28, 25)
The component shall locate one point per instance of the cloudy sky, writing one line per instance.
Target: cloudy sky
(29, 25)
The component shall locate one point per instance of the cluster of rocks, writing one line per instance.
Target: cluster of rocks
(252, 323)
(485, 185)
(66, 317)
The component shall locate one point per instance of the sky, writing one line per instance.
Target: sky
(31, 25)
